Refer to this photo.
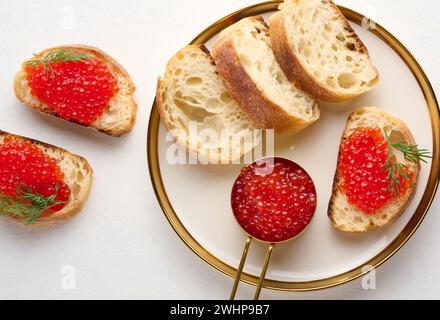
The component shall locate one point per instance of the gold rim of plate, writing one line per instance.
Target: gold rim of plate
(380, 258)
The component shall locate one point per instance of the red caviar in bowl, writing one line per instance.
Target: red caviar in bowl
(77, 91)
(23, 164)
(273, 199)
(362, 157)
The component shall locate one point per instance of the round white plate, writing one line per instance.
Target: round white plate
(196, 197)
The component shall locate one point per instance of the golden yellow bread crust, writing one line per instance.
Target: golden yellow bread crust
(295, 71)
(248, 96)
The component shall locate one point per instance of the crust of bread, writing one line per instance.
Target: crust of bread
(160, 106)
(245, 92)
(115, 68)
(294, 69)
(74, 206)
(336, 192)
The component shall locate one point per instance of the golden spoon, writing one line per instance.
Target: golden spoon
(274, 201)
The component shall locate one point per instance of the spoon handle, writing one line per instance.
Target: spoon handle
(263, 271)
(240, 268)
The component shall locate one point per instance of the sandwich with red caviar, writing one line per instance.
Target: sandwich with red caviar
(377, 171)
(40, 184)
(80, 84)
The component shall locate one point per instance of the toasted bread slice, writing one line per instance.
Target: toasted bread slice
(77, 175)
(345, 216)
(316, 46)
(191, 92)
(119, 116)
(254, 79)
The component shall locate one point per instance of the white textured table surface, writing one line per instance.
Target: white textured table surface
(121, 246)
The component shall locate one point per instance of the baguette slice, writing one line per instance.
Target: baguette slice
(246, 63)
(120, 115)
(346, 217)
(77, 175)
(192, 92)
(316, 46)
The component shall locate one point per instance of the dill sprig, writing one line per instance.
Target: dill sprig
(412, 153)
(56, 56)
(398, 172)
(27, 205)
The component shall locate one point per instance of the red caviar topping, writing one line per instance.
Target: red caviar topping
(23, 164)
(362, 157)
(273, 200)
(77, 91)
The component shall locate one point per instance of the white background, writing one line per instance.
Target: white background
(121, 245)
